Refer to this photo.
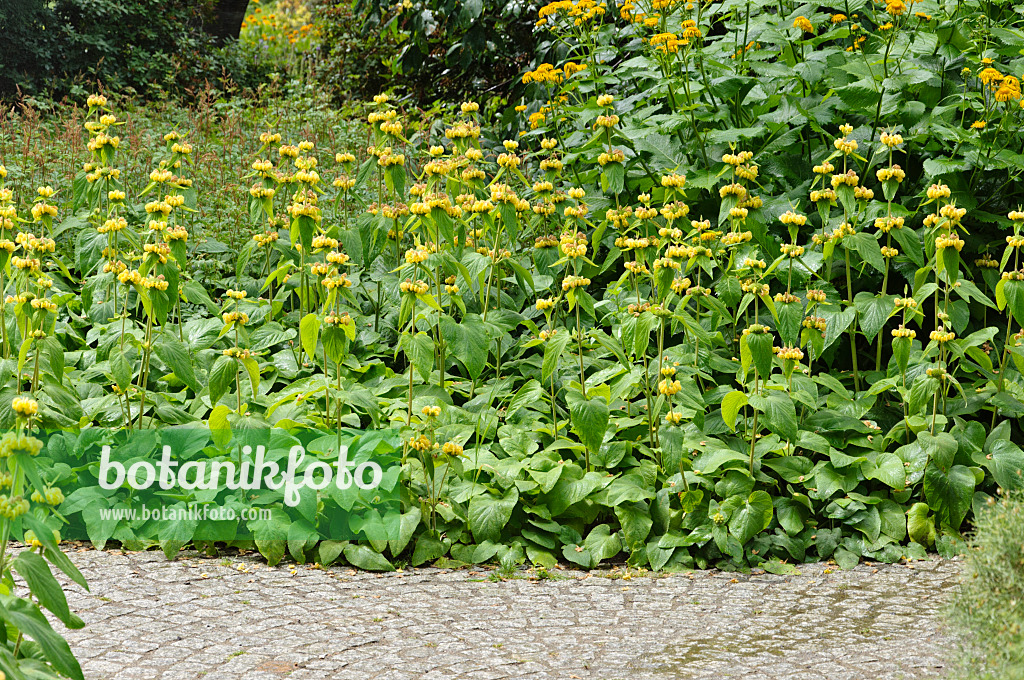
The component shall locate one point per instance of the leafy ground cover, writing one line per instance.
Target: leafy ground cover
(739, 287)
(732, 285)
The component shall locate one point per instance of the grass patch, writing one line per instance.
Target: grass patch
(988, 610)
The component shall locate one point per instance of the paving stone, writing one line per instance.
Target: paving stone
(150, 618)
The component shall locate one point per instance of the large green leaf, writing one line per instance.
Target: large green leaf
(874, 311)
(252, 369)
(530, 395)
(920, 525)
(779, 413)
(488, 514)
(365, 557)
(635, 520)
(194, 292)
(941, 448)
(419, 349)
(175, 354)
(554, 348)
(645, 323)
(571, 488)
(309, 333)
(791, 514)
(54, 352)
(175, 534)
(410, 521)
(27, 618)
(887, 468)
(949, 494)
(760, 346)
(893, 521)
(271, 535)
(837, 320)
(589, 419)
(711, 460)
(867, 247)
(222, 376)
(599, 545)
(329, 551)
(44, 586)
(1014, 295)
(1005, 462)
(791, 314)
(121, 370)
(731, 405)
(751, 517)
(468, 342)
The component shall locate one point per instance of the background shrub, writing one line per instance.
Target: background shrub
(431, 51)
(352, 61)
(67, 46)
(27, 45)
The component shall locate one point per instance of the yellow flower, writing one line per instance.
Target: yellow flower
(1009, 90)
(790, 217)
(240, 318)
(507, 160)
(25, 407)
(847, 146)
(451, 449)
(891, 140)
(791, 353)
(895, 7)
(667, 42)
(804, 24)
(669, 387)
(544, 74)
(571, 68)
(950, 241)
(990, 75)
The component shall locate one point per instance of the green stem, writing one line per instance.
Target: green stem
(853, 327)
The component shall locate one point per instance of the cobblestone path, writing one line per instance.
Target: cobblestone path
(238, 619)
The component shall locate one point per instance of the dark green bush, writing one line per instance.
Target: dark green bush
(69, 46)
(28, 45)
(989, 607)
(431, 51)
(352, 62)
